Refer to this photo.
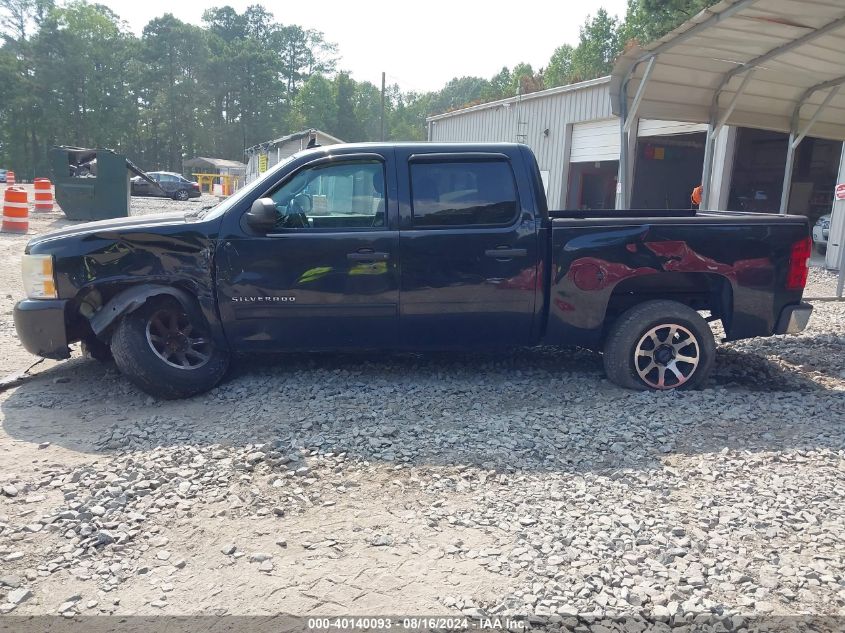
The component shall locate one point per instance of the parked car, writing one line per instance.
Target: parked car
(3, 176)
(171, 185)
(821, 230)
(411, 247)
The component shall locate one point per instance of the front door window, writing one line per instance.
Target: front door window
(340, 196)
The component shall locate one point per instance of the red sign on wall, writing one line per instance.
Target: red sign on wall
(840, 192)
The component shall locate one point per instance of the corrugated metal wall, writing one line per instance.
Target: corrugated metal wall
(526, 121)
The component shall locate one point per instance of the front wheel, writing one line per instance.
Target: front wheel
(164, 353)
(659, 345)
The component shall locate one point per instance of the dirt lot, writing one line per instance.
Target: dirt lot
(504, 484)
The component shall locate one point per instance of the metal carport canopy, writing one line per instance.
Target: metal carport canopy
(768, 64)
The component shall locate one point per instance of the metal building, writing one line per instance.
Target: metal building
(263, 156)
(577, 141)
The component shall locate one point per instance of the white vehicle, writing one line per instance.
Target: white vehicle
(821, 230)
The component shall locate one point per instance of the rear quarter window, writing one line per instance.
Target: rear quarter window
(463, 193)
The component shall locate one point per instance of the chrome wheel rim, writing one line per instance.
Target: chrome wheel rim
(171, 337)
(667, 356)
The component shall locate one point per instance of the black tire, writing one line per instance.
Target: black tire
(643, 339)
(182, 195)
(185, 374)
(96, 349)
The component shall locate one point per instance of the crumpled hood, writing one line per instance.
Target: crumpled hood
(105, 226)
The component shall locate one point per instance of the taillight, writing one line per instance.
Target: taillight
(799, 264)
(195, 185)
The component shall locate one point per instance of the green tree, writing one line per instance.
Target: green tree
(80, 91)
(648, 20)
(459, 92)
(315, 105)
(598, 47)
(16, 16)
(406, 117)
(347, 126)
(302, 53)
(172, 91)
(499, 86)
(524, 80)
(368, 111)
(560, 72)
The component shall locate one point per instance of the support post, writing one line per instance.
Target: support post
(795, 138)
(716, 124)
(724, 149)
(622, 176)
(787, 171)
(732, 105)
(632, 113)
(707, 171)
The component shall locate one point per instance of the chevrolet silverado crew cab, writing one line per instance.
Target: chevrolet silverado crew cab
(410, 247)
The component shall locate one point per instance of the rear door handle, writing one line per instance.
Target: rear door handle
(367, 255)
(505, 252)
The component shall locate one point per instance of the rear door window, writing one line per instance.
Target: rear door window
(463, 193)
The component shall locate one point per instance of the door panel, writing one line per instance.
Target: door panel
(465, 286)
(328, 276)
(457, 294)
(311, 291)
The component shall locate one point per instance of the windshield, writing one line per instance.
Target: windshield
(263, 181)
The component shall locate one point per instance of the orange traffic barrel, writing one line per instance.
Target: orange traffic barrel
(15, 210)
(10, 178)
(43, 195)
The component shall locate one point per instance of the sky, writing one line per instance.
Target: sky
(420, 45)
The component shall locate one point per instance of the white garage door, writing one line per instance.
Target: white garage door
(650, 127)
(594, 141)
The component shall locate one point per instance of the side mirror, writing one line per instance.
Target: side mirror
(263, 215)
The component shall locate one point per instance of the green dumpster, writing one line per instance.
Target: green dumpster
(92, 184)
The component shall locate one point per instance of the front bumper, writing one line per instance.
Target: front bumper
(42, 328)
(793, 319)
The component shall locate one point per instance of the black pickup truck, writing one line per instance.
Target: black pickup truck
(410, 247)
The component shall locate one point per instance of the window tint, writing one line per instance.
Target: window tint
(463, 193)
(342, 196)
(167, 178)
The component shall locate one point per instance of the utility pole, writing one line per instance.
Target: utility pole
(382, 106)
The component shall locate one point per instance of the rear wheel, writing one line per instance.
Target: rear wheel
(659, 345)
(165, 353)
(182, 194)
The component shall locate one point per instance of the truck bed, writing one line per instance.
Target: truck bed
(731, 264)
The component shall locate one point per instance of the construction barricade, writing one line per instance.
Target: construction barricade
(43, 195)
(15, 210)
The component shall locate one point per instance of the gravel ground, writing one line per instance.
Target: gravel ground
(512, 484)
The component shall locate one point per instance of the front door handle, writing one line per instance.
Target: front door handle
(367, 255)
(503, 252)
